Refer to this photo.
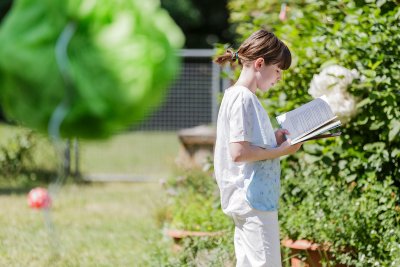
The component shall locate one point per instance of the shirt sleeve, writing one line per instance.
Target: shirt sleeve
(241, 119)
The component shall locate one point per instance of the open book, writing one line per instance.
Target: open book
(310, 121)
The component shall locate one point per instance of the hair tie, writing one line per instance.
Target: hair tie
(235, 56)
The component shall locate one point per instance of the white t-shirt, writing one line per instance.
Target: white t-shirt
(245, 185)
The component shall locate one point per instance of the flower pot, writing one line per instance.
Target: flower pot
(179, 234)
(316, 254)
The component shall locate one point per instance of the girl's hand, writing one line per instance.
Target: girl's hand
(289, 149)
(280, 136)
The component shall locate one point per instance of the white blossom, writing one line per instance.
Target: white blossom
(333, 82)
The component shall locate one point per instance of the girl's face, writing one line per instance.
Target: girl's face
(267, 75)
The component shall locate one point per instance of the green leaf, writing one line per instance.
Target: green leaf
(374, 147)
(329, 63)
(351, 178)
(296, 190)
(376, 125)
(369, 73)
(342, 164)
(395, 152)
(394, 127)
(364, 102)
(376, 64)
(310, 158)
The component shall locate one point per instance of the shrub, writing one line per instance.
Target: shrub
(343, 191)
(15, 155)
(26, 158)
(194, 205)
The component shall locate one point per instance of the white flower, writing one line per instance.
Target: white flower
(333, 82)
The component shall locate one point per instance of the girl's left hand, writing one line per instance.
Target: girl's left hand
(280, 136)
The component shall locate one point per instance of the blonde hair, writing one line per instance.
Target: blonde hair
(261, 44)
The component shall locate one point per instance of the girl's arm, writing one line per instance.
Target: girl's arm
(245, 152)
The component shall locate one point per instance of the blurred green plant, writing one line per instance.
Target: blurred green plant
(96, 67)
(16, 155)
(343, 191)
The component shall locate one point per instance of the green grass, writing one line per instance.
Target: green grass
(110, 224)
(149, 155)
(146, 154)
(96, 225)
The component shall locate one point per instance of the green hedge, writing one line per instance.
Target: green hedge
(342, 191)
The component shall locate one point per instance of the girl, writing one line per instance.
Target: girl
(247, 151)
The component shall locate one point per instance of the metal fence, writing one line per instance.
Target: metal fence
(192, 98)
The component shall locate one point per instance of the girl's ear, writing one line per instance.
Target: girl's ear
(258, 63)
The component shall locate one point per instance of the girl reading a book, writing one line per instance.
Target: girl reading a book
(247, 150)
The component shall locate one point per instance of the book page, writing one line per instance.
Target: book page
(322, 126)
(324, 129)
(306, 118)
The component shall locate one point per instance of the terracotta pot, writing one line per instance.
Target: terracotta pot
(316, 253)
(179, 234)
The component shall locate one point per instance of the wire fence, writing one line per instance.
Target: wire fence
(192, 99)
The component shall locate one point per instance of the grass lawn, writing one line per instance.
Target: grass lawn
(143, 154)
(108, 224)
(147, 155)
(96, 225)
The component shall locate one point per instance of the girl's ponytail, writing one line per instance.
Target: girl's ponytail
(229, 56)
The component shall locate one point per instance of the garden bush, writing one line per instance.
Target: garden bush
(342, 191)
(194, 205)
(26, 158)
(16, 155)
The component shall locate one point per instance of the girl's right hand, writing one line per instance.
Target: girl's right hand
(289, 149)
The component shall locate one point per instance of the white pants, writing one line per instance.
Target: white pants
(257, 240)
